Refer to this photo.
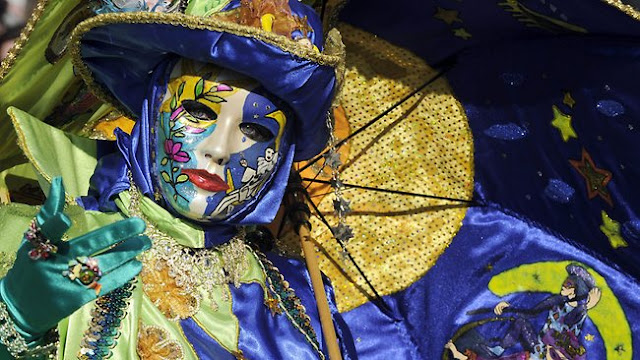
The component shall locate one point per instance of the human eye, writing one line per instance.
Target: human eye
(256, 132)
(199, 110)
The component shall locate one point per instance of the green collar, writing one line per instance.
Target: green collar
(183, 232)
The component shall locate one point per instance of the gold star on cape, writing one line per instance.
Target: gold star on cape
(562, 122)
(462, 33)
(611, 229)
(596, 179)
(589, 337)
(568, 99)
(448, 16)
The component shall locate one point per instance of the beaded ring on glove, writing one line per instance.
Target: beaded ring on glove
(86, 270)
(42, 247)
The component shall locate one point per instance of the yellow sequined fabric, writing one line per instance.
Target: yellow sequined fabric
(168, 296)
(424, 146)
(154, 343)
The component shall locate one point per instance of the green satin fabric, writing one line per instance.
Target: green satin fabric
(53, 152)
(35, 85)
(205, 7)
(50, 161)
(221, 324)
(185, 233)
(29, 281)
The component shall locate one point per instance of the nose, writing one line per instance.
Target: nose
(216, 148)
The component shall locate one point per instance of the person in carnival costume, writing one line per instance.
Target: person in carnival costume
(226, 96)
(559, 336)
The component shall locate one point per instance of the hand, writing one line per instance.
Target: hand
(500, 307)
(594, 297)
(37, 293)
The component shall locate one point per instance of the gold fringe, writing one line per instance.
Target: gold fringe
(187, 21)
(625, 8)
(334, 45)
(14, 52)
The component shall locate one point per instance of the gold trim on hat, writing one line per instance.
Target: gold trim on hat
(625, 8)
(192, 22)
(424, 146)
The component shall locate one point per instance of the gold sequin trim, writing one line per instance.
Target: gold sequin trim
(625, 8)
(424, 146)
(14, 52)
(187, 21)
(155, 343)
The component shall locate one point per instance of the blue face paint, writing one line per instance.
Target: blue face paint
(217, 146)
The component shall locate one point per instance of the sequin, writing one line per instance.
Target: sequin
(512, 79)
(104, 328)
(559, 191)
(509, 131)
(610, 108)
(282, 295)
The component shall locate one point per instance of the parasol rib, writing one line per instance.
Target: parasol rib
(378, 300)
(378, 117)
(397, 192)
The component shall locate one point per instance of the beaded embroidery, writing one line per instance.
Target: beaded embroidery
(155, 343)
(286, 298)
(106, 317)
(191, 269)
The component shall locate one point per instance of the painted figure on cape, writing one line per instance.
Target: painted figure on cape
(162, 242)
(559, 337)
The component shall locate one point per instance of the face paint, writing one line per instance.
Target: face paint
(218, 141)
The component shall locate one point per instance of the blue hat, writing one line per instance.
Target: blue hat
(116, 53)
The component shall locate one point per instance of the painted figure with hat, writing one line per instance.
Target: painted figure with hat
(155, 261)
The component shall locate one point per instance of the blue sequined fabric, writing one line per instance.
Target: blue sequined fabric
(104, 328)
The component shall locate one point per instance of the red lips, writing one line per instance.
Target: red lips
(206, 180)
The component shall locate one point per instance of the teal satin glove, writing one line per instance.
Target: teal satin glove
(40, 293)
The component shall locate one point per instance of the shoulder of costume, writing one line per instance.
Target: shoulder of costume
(53, 152)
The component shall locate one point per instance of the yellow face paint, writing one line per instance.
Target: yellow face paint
(280, 117)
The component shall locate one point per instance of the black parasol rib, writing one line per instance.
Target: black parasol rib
(397, 192)
(378, 117)
(378, 301)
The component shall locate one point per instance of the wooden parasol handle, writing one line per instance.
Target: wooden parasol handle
(299, 214)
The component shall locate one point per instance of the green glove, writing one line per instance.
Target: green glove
(39, 293)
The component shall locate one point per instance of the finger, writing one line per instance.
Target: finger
(122, 253)
(120, 276)
(105, 237)
(55, 201)
(55, 226)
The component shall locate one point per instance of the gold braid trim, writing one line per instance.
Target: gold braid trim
(12, 56)
(625, 8)
(186, 21)
(22, 143)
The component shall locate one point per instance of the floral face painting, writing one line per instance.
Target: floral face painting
(218, 138)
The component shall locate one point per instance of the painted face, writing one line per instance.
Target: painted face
(568, 288)
(218, 141)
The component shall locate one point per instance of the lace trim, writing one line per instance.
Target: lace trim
(191, 269)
